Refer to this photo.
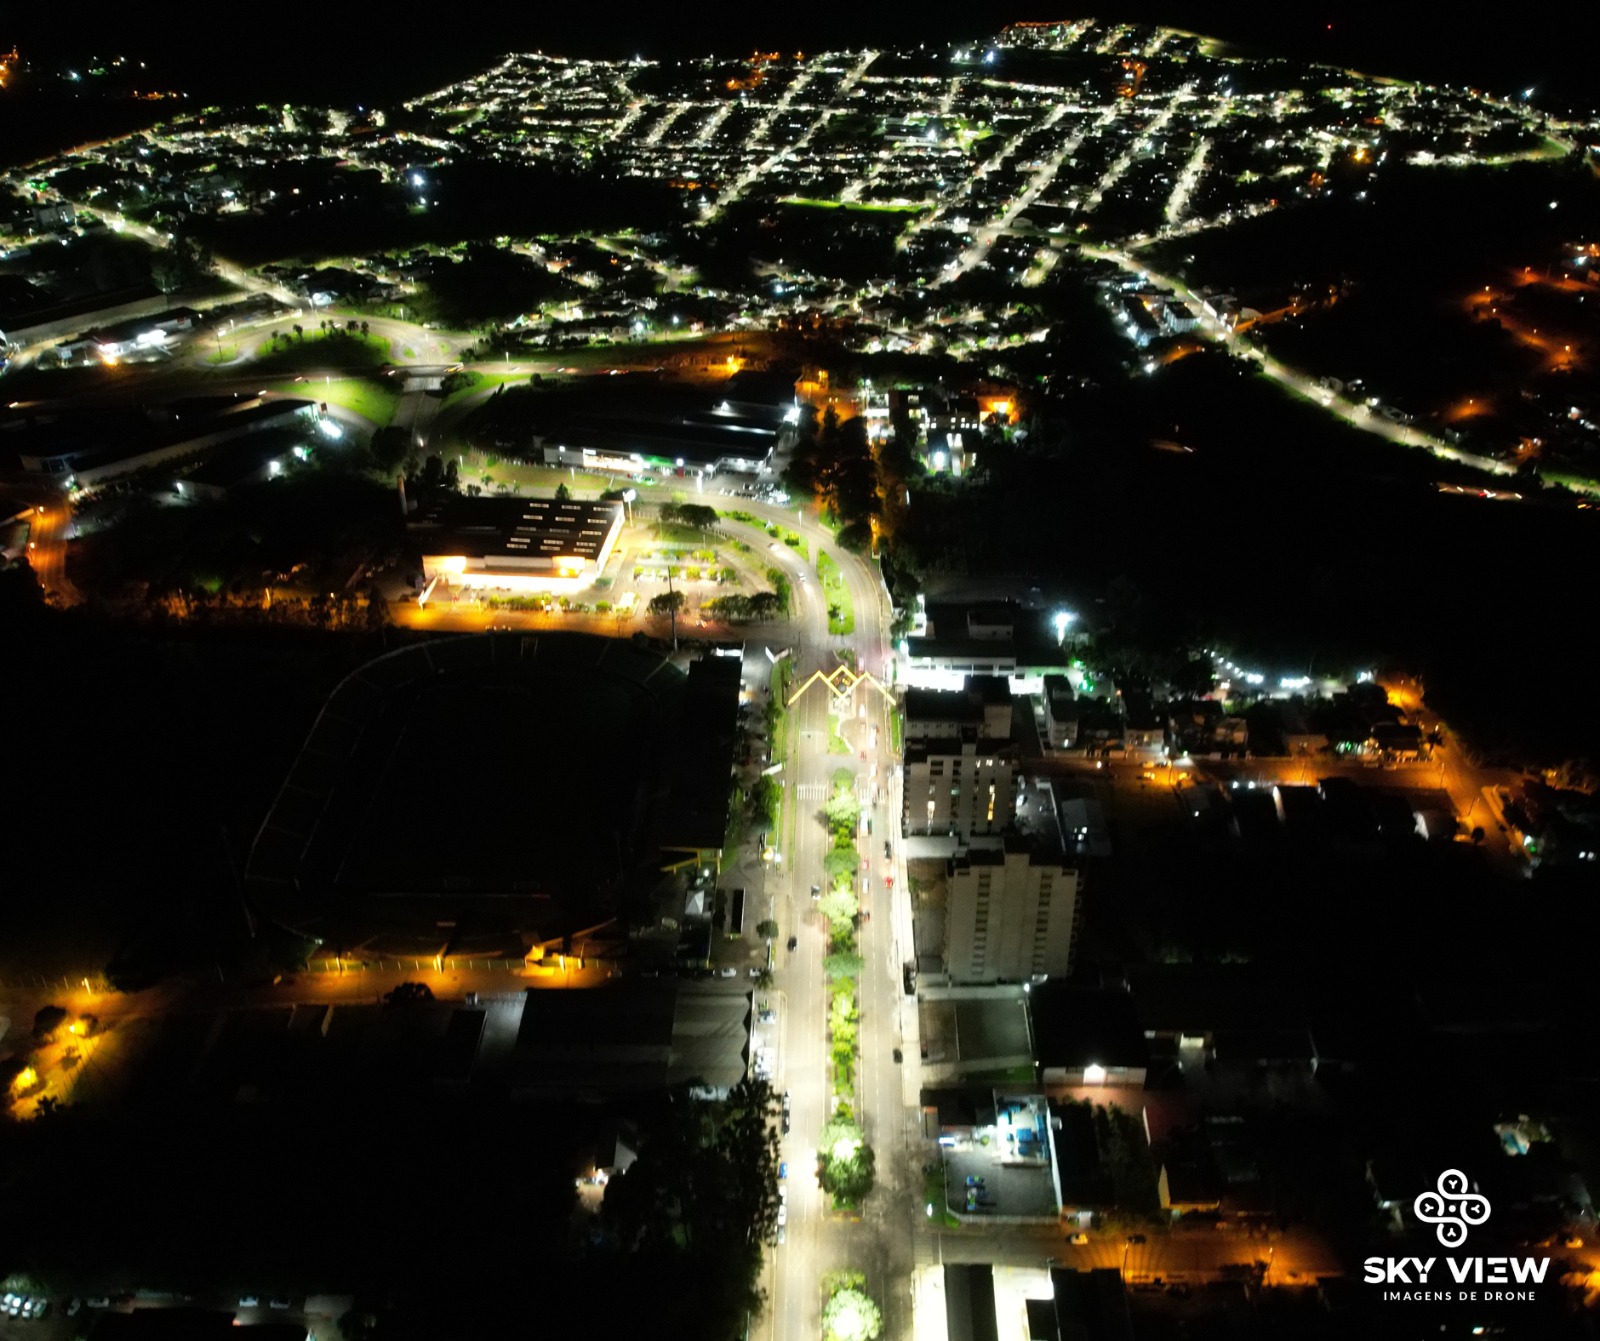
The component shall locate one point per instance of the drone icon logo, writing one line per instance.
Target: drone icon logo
(1451, 1208)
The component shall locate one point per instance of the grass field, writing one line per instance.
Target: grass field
(318, 351)
(486, 382)
(370, 399)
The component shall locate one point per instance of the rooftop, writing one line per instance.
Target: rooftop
(519, 528)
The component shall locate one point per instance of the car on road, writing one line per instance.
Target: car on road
(756, 971)
(782, 1234)
(75, 1308)
(1078, 1240)
(888, 854)
(783, 1169)
(728, 973)
(898, 1055)
(783, 1214)
(793, 942)
(816, 891)
(249, 1301)
(1135, 1238)
(278, 1303)
(99, 1301)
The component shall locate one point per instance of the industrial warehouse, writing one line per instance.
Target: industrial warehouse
(517, 544)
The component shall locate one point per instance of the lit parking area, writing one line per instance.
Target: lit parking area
(1003, 1169)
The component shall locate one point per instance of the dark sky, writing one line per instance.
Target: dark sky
(348, 53)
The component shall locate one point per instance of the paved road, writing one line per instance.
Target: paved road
(49, 529)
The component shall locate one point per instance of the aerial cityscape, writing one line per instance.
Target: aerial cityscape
(924, 691)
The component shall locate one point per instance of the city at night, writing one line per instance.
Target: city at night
(897, 675)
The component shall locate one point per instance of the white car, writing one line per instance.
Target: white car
(783, 1214)
(728, 973)
(249, 1301)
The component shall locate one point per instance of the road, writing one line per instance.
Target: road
(49, 529)
(1357, 414)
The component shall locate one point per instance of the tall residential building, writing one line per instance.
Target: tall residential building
(960, 763)
(1012, 913)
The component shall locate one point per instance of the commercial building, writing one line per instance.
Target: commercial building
(517, 544)
(112, 343)
(250, 460)
(85, 452)
(697, 440)
(960, 762)
(1012, 913)
(991, 638)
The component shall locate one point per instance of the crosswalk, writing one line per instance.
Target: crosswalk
(812, 791)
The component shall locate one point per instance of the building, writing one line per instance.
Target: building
(1085, 1037)
(630, 1036)
(695, 826)
(113, 343)
(662, 433)
(1091, 1305)
(517, 544)
(1061, 713)
(1201, 726)
(250, 460)
(991, 638)
(960, 762)
(80, 453)
(1144, 729)
(1012, 915)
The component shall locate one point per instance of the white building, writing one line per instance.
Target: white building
(518, 544)
(1012, 913)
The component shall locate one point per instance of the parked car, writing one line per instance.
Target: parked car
(1078, 1240)
(250, 1301)
(728, 973)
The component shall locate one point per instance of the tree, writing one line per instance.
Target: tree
(846, 1166)
(842, 964)
(563, 494)
(389, 448)
(767, 929)
(849, 1315)
(840, 905)
(47, 1020)
(363, 328)
(844, 813)
(765, 797)
(668, 603)
(407, 994)
(841, 863)
(852, 1316)
(765, 605)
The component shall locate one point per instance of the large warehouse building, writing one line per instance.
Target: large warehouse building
(517, 544)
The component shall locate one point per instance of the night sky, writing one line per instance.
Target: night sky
(348, 53)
